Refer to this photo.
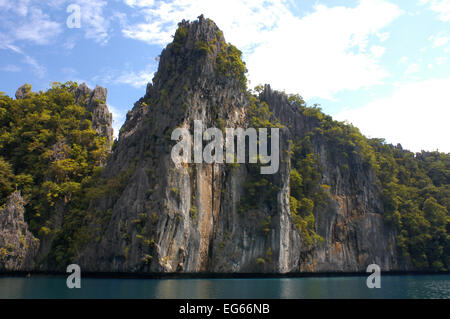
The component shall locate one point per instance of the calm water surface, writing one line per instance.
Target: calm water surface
(414, 286)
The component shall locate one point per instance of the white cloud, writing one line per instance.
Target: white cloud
(22, 21)
(93, 20)
(403, 60)
(69, 72)
(69, 43)
(441, 60)
(140, 3)
(11, 68)
(26, 20)
(413, 68)
(137, 80)
(148, 32)
(126, 76)
(377, 51)
(242, 21)
(441, 7)
(5, 45)
(383, 36)
(118, 119)
(37, 68)
(416, 116)
(439, 40)
(324, 52)
(20, 7)
(38, 27)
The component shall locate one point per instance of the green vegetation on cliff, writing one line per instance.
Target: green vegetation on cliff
(305, 189)
(259, 189)
(416, 198)
(229, 64)
(415, 188)
(49, 151)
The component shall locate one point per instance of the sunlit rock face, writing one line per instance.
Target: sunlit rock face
(95, 103)
(163, 217)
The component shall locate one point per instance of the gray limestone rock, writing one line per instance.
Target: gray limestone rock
(18, 246)
(185, 218)
(95, 103)
(23, 91)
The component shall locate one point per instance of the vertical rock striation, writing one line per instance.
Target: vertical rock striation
(351, 223)
(187, 218)
(18, 246)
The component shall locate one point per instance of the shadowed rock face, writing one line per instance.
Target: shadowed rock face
(18, 246)
(23, 91)
(186, 218)
(179, 206)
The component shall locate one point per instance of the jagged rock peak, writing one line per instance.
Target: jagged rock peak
(198, 60)
(23, 91)
(84, 95)
(192, 53)
(270, 95)
(197, 68)
(95, 102)
(199, 30)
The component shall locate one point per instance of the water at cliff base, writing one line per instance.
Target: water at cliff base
(411, 286)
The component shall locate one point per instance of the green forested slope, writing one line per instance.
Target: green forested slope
(48, 151)
(415, 186)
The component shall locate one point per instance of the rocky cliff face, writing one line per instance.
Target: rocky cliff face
(23, 91)
(18, 245)
(95, 103)
(351, 223)
(187, 218)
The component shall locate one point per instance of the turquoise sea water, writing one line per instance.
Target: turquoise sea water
(395, 286)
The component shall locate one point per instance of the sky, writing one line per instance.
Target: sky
(381, 65)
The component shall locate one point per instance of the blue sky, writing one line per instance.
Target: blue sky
(382, 65)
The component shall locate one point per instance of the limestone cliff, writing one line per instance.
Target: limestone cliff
(188, 218)
(48, 149)
(95, 103)
(18, 246)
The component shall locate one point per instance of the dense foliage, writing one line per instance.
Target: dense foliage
(49, 151)
(306, 191)
(229, 64)
(415, 188)
(259, 189)
(416, 197)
